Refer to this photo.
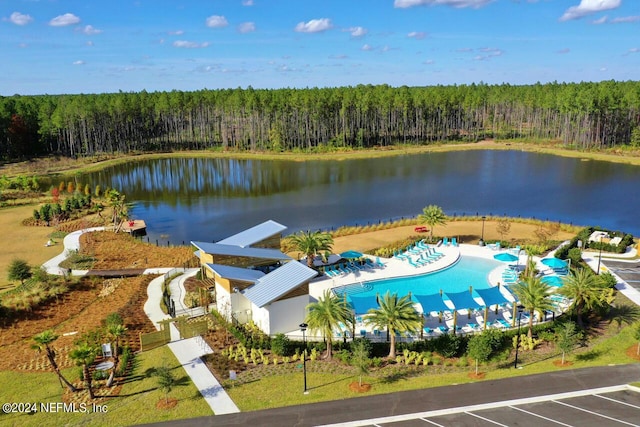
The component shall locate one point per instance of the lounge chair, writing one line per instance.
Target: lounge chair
(443, 329)
(378, 262)
(454, 241)
(413, 264)
(428, 331)
(445, 241)
(363, 333)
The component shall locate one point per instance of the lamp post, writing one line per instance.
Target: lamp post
(600, 255)
(520, 310)
(303, 328)
(481, 242)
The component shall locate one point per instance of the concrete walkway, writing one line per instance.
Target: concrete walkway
(188, 351)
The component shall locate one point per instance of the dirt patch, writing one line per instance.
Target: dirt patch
(166, 403)
(478, 376)
(632, 352)
(359, 388)
(559, 363)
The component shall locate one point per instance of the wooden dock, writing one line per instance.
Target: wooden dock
(134, 227)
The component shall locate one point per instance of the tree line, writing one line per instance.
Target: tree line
(584, 115)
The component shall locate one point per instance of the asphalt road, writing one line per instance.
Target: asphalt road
(433, 399)
(627, 271)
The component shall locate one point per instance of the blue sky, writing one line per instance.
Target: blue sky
(82, 46)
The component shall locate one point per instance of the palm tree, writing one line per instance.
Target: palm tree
(115, 331)
(395, 314)
(432, 215)
(43, 342)
(586, 290)
(535, 296)
(311, 242)
(84, 355)
(327, 314)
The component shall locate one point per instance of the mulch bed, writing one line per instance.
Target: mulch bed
(359, 388)
(632, 352)
(559, 363)
(166, 403)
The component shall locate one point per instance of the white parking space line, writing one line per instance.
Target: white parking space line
(432, 422)
(595, 413)
(541, 416)
(617, 401)
(478, 407)
(486, 419)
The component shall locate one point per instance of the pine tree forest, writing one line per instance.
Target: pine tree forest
(581, 115)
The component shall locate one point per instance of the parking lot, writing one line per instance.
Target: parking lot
(627, 271)
(610, 406)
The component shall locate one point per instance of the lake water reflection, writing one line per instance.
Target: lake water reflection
(209, 199)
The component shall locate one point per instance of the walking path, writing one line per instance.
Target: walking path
(187, 351)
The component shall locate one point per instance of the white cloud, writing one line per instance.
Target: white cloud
(357, 31)
(418, 35)
(20, 19)
(78, 62)
(625, 19)
(314, 26)
(564, 51)
(189, 45)
(600, 21)
(176, 33)
(64, 20)
(429, 62)
(247, 2)
(455, 3)
(366, 47)
(246, 27)
(632, 51)
(217, 21)
(589, 7)
(90, 30)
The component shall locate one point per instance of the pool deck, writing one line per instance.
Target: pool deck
(465, 322)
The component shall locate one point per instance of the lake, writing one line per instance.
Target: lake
(209, 199)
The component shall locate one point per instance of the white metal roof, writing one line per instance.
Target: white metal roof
(233, 250)
(279, 282)
(254, 234)
(236, 273)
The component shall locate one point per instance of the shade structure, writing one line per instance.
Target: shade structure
(351, 254)
(506, 257)
(361, 305)
(431, 303)
(492, 296)
(553, 281)
(554, 262)
(462, 300)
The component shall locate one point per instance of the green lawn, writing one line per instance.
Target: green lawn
(135, 405)
(284, 390)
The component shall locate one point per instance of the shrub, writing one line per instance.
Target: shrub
(280, 345)
(575, 255)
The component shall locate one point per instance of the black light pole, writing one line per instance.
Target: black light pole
(303, 328)
(481, 242)
(520, 309)
(600, 256)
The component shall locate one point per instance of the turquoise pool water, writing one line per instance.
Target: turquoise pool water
(468, 271)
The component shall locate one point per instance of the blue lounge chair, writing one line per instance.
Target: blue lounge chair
(428, 331)
(443, 329)
(413, 264)
(378, 262)
(363, 333)
(454, 241)
(504, 323)
(445, 241)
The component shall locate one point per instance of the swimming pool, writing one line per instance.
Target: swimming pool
(468, 271)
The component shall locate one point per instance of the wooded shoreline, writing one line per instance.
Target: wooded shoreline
(579, 115)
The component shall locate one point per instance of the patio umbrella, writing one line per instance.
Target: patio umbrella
(351, 254)
(554, 262)
(506, 257)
